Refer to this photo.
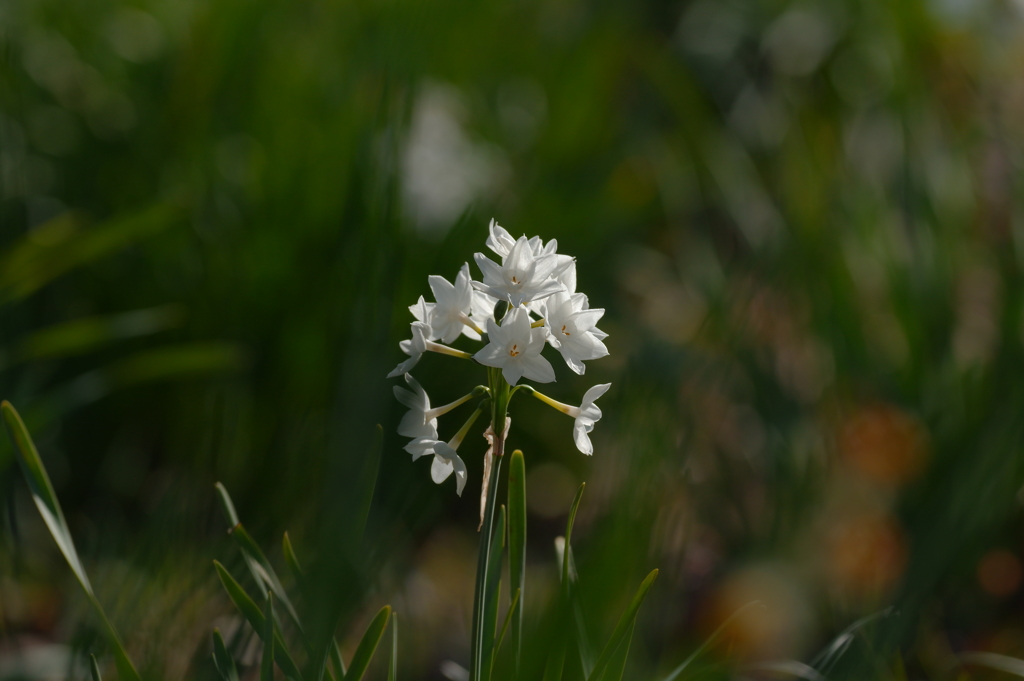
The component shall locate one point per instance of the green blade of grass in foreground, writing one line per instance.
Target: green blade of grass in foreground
(492, 595)
(46, 501)
(625, 624)
(267, 663)
(222, 659)
(300, 579)
(556, 658)
(617, 665)
(368, 645)
(94, 668)
(262, 571)
(710, 639)
(247, 606)
(512, 608)
(517, 546)
(393, 661)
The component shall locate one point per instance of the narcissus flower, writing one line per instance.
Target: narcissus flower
(419, 344)
(586, 415)
(525, 301)
(522, 277)
(450, 315)
(515, 348)
(570, 330)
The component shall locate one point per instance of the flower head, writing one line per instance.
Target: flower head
(570, 330)
(515, 348)
(522, 278)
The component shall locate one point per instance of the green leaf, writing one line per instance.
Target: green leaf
(222, 659)
(364, 651)
(49, 508)
(226, 505)
(517, 545)
(568, 537)
(492, 595)
(64, 243)
(509, 616)
(393, 662)
(94, 668)
(625, 624)
(267, 663)
(710, 639)
(300, 579)
(262, 571)
(480, 637)
(582, 640)
(84, 335)
(617, 664)
(368, 481)
(256, 620)
(258, 564)
(291, 559)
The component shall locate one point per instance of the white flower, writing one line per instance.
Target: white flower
(421, 310)
(415, 423)
(450, 315)
(515, 348)
(570, 330)
(586, 415)
(499, 240)
(419, 344)
(414, 348)
(446, 461)
(522, 277)
(483, 308)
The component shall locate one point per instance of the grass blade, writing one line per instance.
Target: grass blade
(49, 508)
(267, 664)
(568, 536)
(393, 662)
(368, 481)
(94, 668)
(509, 617)
(371, 638)
(617, 665)
(517, 547)
(262, 571)
(625, 624)
(222, 659)
(1003, 663)
(252, 613)
(674, 674)
(300, 579)
(479, 635)
(492, 595)
(258, 563)
(291, 559)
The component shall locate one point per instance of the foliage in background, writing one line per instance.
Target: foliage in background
(805, 220)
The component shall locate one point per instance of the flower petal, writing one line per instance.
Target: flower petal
(440, 469)
(537, 368)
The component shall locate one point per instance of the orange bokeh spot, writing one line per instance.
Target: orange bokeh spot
(883, 443)
(868, 554)
(1000, 572)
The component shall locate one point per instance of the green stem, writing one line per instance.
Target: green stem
(499, 406)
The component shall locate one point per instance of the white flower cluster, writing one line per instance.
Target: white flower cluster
(539, 285)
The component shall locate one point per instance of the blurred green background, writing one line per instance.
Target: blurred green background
(803, 218)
